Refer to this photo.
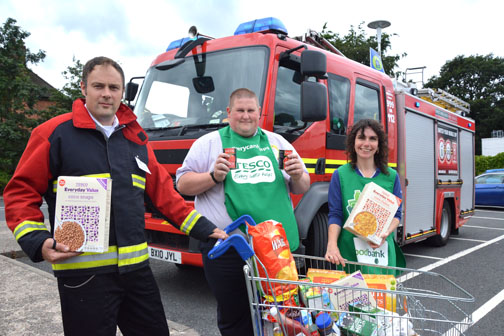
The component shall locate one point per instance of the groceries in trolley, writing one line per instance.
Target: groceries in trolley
(295, 295)
(345, 306)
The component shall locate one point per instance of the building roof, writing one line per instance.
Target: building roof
(46, 87)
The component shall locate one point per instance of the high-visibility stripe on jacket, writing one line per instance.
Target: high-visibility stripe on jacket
(71, 145)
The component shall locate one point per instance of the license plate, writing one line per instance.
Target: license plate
(165, 255)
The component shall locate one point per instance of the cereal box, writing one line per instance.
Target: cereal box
(82, 216)
(373, 212)
(385, 282)
(352, 292)
(324, 276)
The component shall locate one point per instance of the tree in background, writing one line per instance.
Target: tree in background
(65, 97)
(479, 80)
(18, 94)
(355, 45)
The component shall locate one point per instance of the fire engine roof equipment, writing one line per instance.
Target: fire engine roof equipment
(260, 25)
(178, 43)
(270, 24)
(446, 100)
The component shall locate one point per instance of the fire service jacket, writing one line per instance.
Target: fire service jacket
(71, 145)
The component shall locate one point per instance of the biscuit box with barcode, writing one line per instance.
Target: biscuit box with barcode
(373, 213)
(350, 289)
(82, 214)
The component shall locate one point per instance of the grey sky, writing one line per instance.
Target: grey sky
(134, 32)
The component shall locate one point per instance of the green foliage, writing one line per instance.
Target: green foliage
(482, 163)
(479, 80)
(71, 90)
(355, 45)
(18, 94)
(4, 178)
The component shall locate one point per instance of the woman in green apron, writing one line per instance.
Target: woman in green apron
(367, 152)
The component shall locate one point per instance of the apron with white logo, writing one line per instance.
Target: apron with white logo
(256, 187)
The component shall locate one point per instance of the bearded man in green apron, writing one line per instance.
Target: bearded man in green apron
(256, 186)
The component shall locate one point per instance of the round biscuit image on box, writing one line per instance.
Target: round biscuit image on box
(365, 223)
(71, 234)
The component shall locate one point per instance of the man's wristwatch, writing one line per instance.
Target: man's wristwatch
(213, 177)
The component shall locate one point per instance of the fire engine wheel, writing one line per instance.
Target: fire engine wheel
(317, 235)
(446, 223)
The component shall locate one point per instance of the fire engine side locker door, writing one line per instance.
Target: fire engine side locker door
(466, 157)
(420, 173)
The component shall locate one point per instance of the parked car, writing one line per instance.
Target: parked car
(489, 188)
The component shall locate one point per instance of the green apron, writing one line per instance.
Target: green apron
(257, 187)
(351, 186)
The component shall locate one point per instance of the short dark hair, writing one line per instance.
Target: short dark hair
(242, 93)
(381, 155)
(100, 60)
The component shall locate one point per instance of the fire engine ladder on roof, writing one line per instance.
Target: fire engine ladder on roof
(445, 100)
(315, 39)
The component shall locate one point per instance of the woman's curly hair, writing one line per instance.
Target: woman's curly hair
(381, 155)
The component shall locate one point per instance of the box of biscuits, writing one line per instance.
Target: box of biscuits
(372, 213)
(82, 214)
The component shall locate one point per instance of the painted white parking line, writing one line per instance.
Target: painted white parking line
(477, 315)
(492, 218)
(450, 258)
(468, 239)
(483, 227)
(422, 256)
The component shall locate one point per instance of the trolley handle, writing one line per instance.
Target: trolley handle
(240, 245)
(238, 242)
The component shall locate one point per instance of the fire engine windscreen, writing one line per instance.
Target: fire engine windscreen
(196, 92)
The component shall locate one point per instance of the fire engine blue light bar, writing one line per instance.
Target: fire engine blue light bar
(177, 43)
(269, 23)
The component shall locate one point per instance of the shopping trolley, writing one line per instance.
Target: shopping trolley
(415, 303)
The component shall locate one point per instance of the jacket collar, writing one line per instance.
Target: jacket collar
(82, 119)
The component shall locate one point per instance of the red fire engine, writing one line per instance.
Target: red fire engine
(310, 94)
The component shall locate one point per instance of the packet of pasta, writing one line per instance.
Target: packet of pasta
(272, 249)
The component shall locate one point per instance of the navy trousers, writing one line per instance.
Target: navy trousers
(97, 304)
(227, 282)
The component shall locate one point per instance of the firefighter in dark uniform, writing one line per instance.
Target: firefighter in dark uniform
(100, 138)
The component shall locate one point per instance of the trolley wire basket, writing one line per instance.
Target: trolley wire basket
(357, 299)
(415, 302)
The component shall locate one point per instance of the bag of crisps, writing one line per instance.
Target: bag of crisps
(272, 249)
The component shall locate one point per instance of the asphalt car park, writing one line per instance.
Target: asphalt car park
(473, 261)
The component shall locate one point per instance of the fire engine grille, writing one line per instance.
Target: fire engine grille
(169, 240)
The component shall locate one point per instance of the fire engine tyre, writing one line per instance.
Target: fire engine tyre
(446, 223)
(317, 235)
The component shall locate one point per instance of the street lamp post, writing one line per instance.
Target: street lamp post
(378, 25)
